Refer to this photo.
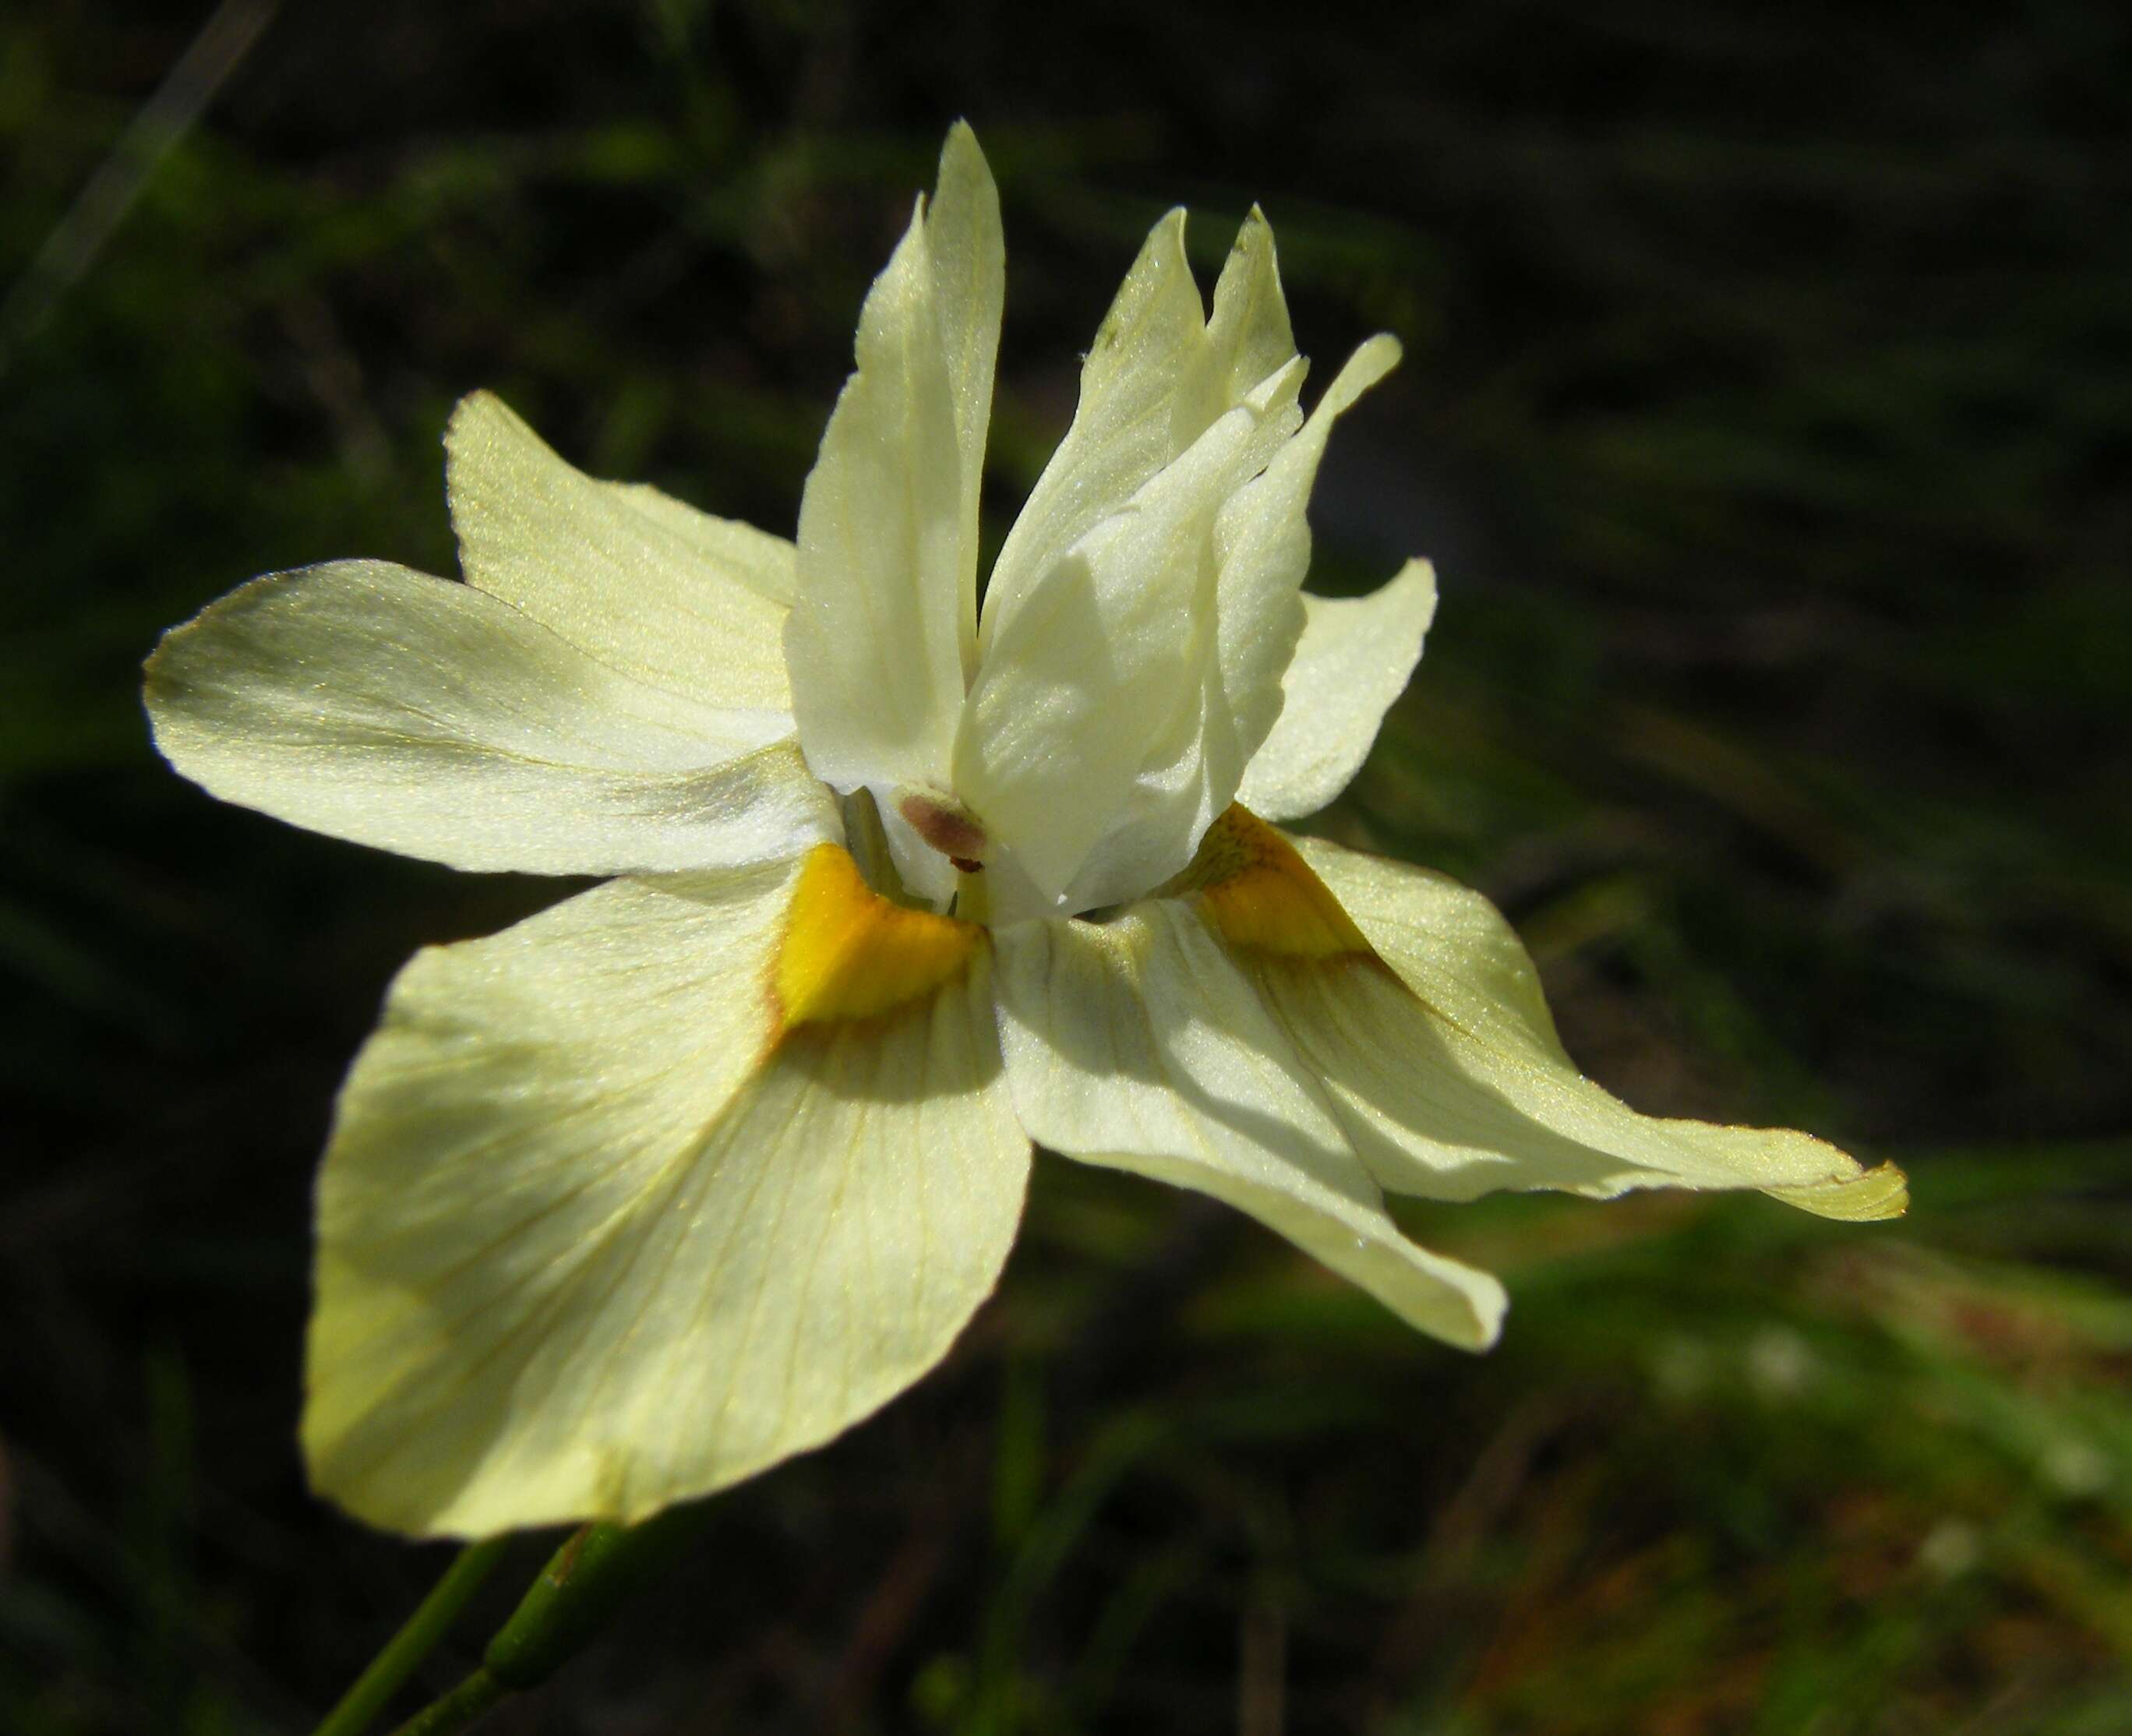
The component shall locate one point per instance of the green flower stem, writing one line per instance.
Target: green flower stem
(584, 1583)
(458, 1708)
(414, 1642)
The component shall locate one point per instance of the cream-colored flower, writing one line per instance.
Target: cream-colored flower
(700, 1167)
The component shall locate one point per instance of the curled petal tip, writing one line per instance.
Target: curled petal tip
(1872, 1196)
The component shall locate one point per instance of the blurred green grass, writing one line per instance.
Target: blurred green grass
(1768, 396)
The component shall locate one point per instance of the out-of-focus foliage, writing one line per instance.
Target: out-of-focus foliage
(1768, 409)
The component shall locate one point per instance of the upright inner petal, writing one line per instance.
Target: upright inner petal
(1123, 694)
(1352, 662)
(1100, 673)
(1159, 375)
(883, 632)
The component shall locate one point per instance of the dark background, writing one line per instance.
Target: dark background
(1767, 408)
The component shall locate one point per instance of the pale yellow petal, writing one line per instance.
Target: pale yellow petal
(1261, 555)
(1448, 1077)
(1355, 658)
(1124, 429)
(1159, 375)
(1249, 339)
(883, 634)
(1137, 1044)
(655, 591)
(737, 551)
(969, 285)
(1097, 709)
(1178, 609)
(416, 714)
(602, 1226)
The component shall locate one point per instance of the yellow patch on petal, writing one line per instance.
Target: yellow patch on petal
(1262, 897)
(848, 953)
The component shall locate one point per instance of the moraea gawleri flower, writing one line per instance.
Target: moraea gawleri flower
(699, 1167)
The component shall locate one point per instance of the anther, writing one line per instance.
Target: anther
(946, 825)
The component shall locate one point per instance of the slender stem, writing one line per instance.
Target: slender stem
(456, 1710)
(597, 1569)
(414, 1642)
